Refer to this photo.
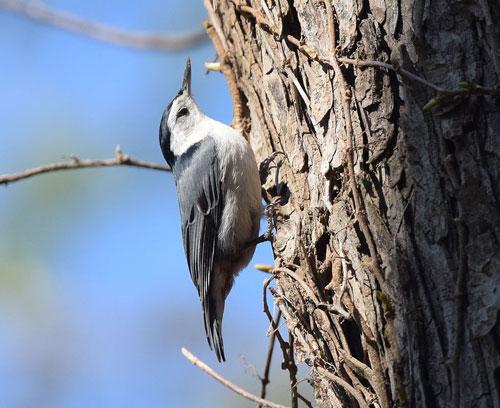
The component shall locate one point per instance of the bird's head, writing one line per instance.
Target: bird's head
(179, 121)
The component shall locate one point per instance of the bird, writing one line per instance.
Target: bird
(219, 194)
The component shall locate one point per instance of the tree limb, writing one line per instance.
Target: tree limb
(245, 394)
(215, 33)
(267, 368)
(286, 347)
(119, 160)
(38, 11)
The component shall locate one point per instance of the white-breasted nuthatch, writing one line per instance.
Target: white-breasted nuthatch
(219, 194)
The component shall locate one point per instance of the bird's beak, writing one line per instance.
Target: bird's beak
(186, 84)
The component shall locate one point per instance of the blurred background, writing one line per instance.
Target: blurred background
(95, 297)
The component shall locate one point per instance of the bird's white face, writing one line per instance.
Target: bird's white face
(183, 118)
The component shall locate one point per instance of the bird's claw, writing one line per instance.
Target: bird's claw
(268, 233)
(265, 165)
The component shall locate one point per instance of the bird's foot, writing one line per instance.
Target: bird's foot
(267, 164)
(264, 170)
(269, 212)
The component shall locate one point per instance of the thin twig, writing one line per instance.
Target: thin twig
(405, 73)
(38, 11)
(264, 268)
(270, 348)
(238, 390)
(300, 281)
(299, 87)
(283, 344)
(345, 272)
(215, 21)
(286, 347)
(119, 160)
(292, 323)
(337, 306)
(344, 385)
(259, 18)
(304, 400)
(215, 34)
(359, 367)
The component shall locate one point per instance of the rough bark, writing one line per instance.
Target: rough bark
(413, 236)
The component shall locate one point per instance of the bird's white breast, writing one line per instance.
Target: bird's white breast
(241, 188)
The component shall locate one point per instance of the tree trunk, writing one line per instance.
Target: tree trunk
(387, 246)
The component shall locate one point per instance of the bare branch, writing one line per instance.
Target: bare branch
(283, 344)
(299, 280)
(226, 69)
(304, 400)
(344, 385)
(40, 12)
(119, 160)
(286, 347)
(267, 368)
(245, 394)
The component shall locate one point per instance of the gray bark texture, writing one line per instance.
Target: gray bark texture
(387, 243)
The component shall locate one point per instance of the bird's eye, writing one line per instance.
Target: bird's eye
(182, 112)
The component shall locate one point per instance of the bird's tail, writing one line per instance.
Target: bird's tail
(213, 312)
(217, 340)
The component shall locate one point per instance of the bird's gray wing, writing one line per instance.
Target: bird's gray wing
(199, 191)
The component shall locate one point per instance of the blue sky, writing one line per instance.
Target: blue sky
(95, 297)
